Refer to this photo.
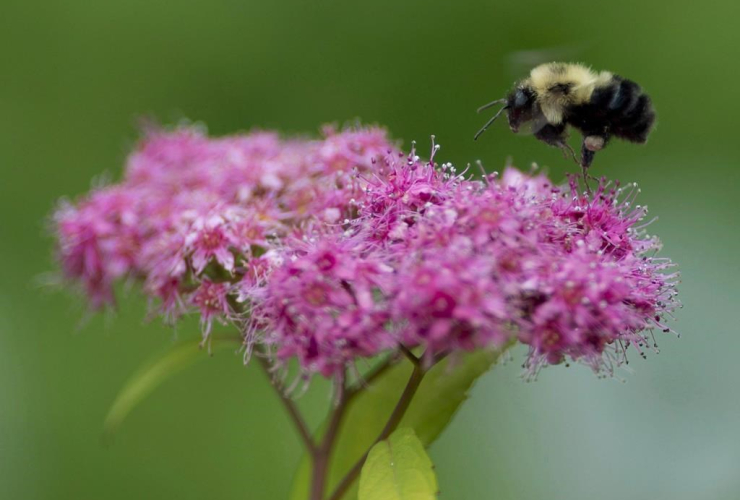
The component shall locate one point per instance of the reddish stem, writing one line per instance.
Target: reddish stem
(398, 412)
(293, 411)
(322, 454)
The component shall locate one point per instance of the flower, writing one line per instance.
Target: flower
(345, 247)
(210, 238)
(99, 241)
(325, 304)
(211, 299)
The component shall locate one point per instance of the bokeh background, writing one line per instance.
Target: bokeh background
(74, 77)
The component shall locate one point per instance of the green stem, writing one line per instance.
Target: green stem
(323, 451)
(395, 418)
(293, 411)
(370, 377)
(320, 453)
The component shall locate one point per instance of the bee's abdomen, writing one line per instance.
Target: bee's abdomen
(623, 108)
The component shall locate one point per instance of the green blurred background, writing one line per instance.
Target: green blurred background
(75, 76)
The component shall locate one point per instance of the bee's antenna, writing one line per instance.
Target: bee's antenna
(489, 122)
(492, 103)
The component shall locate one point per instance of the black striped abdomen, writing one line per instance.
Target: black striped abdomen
(627, 110)
(619, 109)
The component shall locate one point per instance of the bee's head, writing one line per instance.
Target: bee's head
(520, 105)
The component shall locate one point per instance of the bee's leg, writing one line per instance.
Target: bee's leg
(591, 144)
(587, 157)
(565, 147)
(552, 135)
(555, 135)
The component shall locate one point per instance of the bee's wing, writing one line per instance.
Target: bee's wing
(533, 126)
(520, 62)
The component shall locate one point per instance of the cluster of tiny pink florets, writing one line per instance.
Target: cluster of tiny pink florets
(333, 249)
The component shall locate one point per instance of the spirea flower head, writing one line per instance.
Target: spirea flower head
(326, 304)
(341, 248)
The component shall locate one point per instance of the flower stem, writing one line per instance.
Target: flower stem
(367, 379)
(395, 418)
(409, 355)
(293, 411)
(322, 453)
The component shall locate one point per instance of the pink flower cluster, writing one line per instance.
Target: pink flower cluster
(334, 249)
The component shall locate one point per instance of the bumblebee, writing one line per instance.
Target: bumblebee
(599, 105)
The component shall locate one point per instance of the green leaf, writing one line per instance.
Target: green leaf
(153, 374)
(441, 393)
(398, 469)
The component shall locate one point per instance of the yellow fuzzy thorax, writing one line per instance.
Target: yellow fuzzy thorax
(582, 81)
